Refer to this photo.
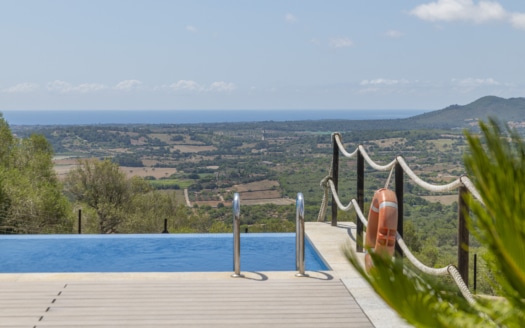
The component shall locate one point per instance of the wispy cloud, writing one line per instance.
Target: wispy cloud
(315, 41)
(393, 34)
(468, 11)
(191, 28)
(221, 86)
(340, 42)
(186, 85)
(66, 87)
(128, 85)
(290, 18)
(22, 88)
(475, 82)
(193, 86)
(381, 81)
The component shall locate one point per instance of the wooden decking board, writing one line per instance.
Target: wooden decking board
(226, 303)
(176, 312)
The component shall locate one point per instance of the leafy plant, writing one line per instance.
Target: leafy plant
(496, 163)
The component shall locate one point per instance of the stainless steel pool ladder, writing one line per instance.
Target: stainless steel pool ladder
(236, 236)
(299, 236)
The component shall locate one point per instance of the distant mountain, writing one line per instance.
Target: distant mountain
(456, 116)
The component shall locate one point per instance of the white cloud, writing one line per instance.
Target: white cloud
(66, 87)
(59, 86)
(341, 42)
(22, 88)
(460, 10)
(381, 81)
(127, 85)
(191, 28)
(221, 86)
(518, 20)
(89, 87)
(468, 11)
(475, 82)
(193, 86)
(393, 34)
(290, 18)
(186, 85)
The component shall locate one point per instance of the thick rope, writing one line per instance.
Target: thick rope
(353, 203)
(374, 164)
(428, 186)
(470, 186)
(324, 203)
(337, 137)
(387, 184)
(465, 181)
(461, 284)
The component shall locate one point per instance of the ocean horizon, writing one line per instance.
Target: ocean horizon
(95, 117)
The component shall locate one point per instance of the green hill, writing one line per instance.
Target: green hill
(456, 116)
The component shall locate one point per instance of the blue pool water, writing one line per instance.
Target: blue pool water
(151, 253)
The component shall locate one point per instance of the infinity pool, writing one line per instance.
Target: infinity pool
(151, 253)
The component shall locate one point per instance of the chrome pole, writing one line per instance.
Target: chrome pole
(299, 238)
(236, 236)
(298, 204)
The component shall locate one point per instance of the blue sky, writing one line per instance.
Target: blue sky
(377, 54)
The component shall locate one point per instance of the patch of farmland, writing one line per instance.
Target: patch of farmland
(192, 149)
(258, 185)
(274, 201)
(260, 194)
(157, 172)
(444, 199)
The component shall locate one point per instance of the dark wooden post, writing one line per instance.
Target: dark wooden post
(80, 221)
(360, 199)
(335, 178)
(399, 177)
(475, 272)
(463, 235)
(165, 226)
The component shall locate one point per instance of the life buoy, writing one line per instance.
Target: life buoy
(382, 225)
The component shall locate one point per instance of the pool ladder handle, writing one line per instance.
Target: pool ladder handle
(299, 236)
(236, 237)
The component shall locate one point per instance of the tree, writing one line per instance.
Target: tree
(496, 162)
(103, 187)
(31, 200)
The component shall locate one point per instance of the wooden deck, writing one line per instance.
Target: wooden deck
(293, 302)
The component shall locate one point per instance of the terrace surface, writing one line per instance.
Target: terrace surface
(337, 298)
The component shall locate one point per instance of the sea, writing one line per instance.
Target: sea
(94, 117)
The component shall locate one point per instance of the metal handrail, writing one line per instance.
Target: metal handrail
(236, 205)
(299, 235)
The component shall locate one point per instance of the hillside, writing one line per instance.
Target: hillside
(456, 116)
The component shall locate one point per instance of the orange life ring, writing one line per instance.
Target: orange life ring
(382, 225)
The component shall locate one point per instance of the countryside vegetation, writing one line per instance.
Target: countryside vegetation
(130, 178)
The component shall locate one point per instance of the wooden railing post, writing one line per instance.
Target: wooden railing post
(360, 199)
(463, 235)
(399, 177)
(335, 178)
(80, 221)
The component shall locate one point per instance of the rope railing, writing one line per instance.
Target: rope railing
(465, 181)
(399, 165)
(447, 270)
